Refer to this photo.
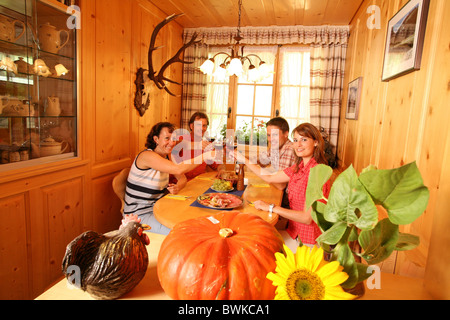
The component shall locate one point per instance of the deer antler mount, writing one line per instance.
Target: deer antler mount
(144, 77)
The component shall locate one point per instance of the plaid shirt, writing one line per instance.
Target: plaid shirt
(298, 183)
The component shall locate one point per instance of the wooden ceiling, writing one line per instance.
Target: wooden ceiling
(224, 13)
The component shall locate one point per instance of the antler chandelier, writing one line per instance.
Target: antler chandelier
(233, 63)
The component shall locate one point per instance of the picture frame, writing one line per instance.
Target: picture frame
(353, 99)
(404, 40)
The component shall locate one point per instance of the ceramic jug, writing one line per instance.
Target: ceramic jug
(14, 107)
(50, 147)
(50, 38)
(8, 29)
(53, 107)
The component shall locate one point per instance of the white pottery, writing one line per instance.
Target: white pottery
(40, 68)
(50, 147)
(50, 38)
(8, 29)
(53, 107)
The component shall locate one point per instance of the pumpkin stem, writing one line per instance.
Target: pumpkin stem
(225, 232)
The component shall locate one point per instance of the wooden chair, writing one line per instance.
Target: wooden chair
(119, 184)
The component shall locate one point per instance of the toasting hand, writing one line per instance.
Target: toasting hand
(239, 157)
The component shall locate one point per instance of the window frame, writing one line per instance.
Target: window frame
(233, 84)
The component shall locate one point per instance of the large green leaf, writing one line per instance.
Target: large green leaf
(318, 176)
(379, 242)
(347, 198)
(333, 234)
(344, 255)
(317, 210)
(400, 191)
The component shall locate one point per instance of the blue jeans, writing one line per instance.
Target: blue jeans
(156, 227)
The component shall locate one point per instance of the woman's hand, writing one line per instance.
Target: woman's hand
(239, 157)
(261, 205)
(173, 188)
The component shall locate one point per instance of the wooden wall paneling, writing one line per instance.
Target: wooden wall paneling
(14, 258)
(404, 120)
(175, 72)
(64, 206)
(150, 18)
(106, 205)
(435, 155)
(113, 34)
(57, 214)
(87, 63)
(39, 242)
(346, 139)
(163, 107)
(421, 142)
(437, 278)
(359, 54)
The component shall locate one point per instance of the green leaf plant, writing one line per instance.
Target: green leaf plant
(350, 214)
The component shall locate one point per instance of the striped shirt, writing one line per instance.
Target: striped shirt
(144, 188)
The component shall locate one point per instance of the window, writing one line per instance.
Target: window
(237, 103)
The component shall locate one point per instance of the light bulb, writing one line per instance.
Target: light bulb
(235, 67)
(253, 74)
(264, 70)
(220, 73)
(207, 67)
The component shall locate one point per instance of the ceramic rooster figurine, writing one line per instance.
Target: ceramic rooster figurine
(110, 264)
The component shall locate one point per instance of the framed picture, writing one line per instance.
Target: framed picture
(353, 99)
(404, 41)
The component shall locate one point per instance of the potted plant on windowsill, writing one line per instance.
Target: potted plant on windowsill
(257, 136)
(350, 214)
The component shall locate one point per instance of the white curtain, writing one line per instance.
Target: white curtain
(294, 84)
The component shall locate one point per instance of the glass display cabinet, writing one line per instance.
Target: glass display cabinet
(38, 83)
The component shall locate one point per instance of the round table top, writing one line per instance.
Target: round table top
(170, 210)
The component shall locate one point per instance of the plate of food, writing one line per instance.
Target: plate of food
(219, 201)
(221, 185)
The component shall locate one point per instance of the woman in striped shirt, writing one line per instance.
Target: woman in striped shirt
(148, 179)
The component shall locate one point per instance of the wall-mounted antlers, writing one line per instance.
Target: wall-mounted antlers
(143, 77)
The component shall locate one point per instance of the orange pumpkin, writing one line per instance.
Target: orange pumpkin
(225, 256)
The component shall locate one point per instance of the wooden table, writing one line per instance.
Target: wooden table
(393, 287)
(171, 211)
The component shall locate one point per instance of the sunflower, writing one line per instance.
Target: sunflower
(307, 276)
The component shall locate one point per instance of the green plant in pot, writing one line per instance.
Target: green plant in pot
(350, 214)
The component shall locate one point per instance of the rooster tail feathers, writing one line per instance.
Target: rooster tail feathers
(81, 252)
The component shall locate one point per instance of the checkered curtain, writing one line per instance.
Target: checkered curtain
(327, 79)
(194, 83)
(328, 53)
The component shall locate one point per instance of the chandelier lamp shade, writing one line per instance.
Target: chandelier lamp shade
(233, 64)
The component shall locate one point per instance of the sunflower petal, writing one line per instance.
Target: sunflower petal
(328, 268)
(277, 279)
(337, 293)
(316, 257)
(301, 256)
(335, 279)
(290, 259)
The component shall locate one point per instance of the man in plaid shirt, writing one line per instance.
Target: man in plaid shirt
(279, 158)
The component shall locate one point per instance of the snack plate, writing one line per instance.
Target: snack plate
(236, 200)
(212, 188)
